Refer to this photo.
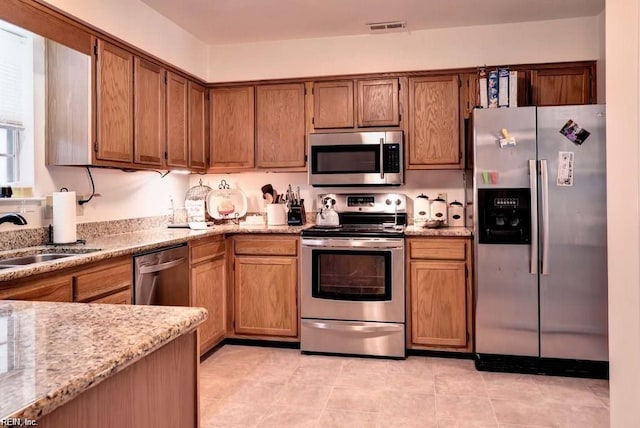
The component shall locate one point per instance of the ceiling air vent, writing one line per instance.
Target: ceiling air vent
(387, 27)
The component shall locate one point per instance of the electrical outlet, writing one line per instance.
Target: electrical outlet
(48, 207)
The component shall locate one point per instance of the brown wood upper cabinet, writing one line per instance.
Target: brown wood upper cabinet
(333, 104)
(560, 86)
(149, 116)
(378, 103)
(197, 127)
(434, 124)
(232, 128)
(177, 118)
(280, 126)
(114, 105)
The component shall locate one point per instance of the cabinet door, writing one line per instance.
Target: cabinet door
(232, 127)
(438, 303)
(333, 104)
(265, 296)
(280, 126)
(209, 285)
(378, 103)
(177, 117)
(434, 125)
(124, 297)
(197, 127)
(149, 119)
(560, 86)
(114, 104)
(48, 289)
(103, 278)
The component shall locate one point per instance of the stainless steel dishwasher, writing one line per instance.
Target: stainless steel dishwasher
(161, 277)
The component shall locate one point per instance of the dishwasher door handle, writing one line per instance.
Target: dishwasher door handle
(162, 266)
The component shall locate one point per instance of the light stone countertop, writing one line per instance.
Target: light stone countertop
(59, 350)
(126, 244)
(440, 231)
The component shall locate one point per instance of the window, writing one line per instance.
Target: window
(16, 105)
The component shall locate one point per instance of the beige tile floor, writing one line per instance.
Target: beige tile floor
(242, 386)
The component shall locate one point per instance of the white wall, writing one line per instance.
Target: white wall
(531, 42)
(138, 24)
(623, 202)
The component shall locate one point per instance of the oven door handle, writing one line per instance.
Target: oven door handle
(355, 327)
(353, 243)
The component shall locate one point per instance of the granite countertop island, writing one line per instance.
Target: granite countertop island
(52, 352)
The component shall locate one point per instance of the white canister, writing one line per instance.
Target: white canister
(456, 214)
(439, 210)
(276, 214)
(421, 210)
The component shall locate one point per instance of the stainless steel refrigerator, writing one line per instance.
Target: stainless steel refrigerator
(540, 232)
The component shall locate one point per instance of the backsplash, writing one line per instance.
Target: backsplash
(429, 182)
(34, 236)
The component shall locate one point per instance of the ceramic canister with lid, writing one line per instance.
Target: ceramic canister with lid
(421, 209)
(456, 214)
(439, 210)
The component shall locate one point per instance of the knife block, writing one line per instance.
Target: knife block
(296, 215)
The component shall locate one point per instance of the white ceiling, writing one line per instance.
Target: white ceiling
(242, 21)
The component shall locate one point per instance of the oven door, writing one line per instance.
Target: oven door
(357, 279)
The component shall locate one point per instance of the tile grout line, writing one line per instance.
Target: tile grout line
(493, 409)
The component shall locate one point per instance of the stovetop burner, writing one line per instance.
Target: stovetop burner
(368, 215)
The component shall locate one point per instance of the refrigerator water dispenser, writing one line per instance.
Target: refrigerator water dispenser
(504, 216)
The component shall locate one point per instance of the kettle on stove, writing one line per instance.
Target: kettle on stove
(327, 215)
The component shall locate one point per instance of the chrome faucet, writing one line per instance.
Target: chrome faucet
(14, 218)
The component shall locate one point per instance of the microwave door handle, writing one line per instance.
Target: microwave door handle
(382, 158)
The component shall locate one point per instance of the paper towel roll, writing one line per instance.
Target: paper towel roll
(64, 217)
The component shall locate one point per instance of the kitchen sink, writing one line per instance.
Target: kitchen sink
(39, 255)
(35, 258)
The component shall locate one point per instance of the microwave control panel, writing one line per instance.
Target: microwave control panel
(391, 157)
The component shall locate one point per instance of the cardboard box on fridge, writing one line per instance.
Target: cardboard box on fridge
(492, 88)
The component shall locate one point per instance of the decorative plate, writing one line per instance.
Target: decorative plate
(227, 204)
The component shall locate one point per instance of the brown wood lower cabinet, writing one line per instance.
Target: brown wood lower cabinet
(265, 286)
(110, 281)
(439, 294)
(208, 285)
(160, 390)
(52, 288)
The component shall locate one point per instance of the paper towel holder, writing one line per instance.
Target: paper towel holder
(50, 240)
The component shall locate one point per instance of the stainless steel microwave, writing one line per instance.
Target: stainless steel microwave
(356, 159)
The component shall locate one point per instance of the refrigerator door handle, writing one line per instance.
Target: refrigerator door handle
(533, 182)
(544, 172)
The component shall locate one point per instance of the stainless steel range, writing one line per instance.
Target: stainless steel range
(353, 289)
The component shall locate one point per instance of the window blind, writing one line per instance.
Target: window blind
(12, 69)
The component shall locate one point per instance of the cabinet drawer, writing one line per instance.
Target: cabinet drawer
(273, 246)
(207, 248)
(437, 249)
(43, 290)
(124, 297)
(103, 279)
